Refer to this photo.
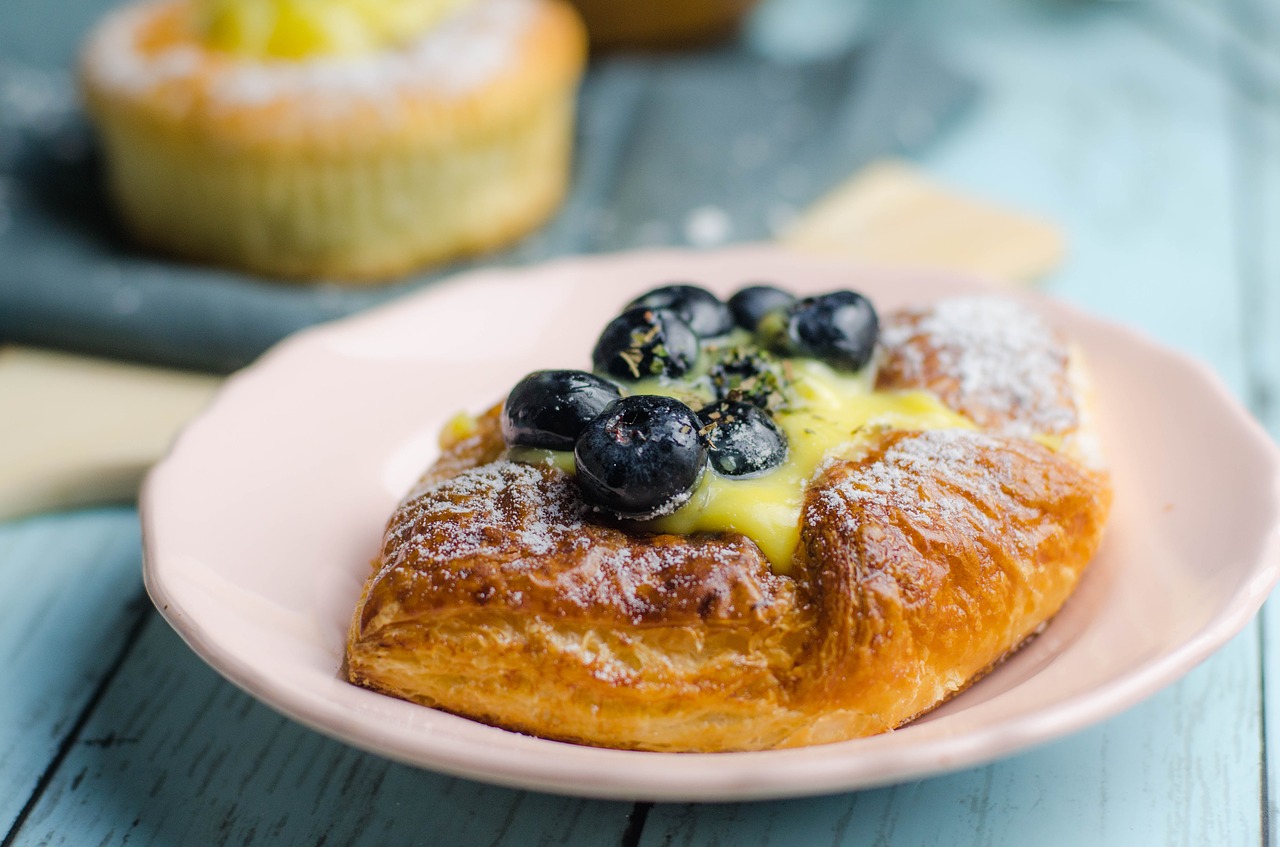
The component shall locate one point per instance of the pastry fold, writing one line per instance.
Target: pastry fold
(925, 559)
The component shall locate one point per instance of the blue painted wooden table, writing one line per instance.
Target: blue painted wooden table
(1151, 133)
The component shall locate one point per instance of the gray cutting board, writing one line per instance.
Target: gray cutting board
(697, 148)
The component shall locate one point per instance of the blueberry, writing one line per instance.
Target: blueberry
(641, 457)
(750, 375)
(644, 342)
(755, 301)
(840, 328)
(550, 408)
(699, 308)
(742, 440)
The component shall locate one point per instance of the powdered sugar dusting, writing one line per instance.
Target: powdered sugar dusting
(934, 477)
(114, 58)
(463, 511)
(990, 358)
(458, 56)
(517, 534)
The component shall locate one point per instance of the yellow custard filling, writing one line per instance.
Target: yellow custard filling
(828, 415)
(298, 29)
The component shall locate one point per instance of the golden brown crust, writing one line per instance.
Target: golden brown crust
(986, 357)
(924, 561)
(956, 546)
(519, 537)
(498, 577)
(335, 168)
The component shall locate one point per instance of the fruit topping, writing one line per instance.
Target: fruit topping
(699, 308)
(641, 457)
(644, 342)
(549, 409)
(299, 29)
(839, 328)
(750, 375)
(755, 301)
(742, 439)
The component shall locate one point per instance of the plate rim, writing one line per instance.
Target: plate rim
(937, 756)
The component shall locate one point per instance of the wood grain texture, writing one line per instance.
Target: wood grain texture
(1165, 773)
(1257, 124)
(1161, 165)
(70, 590)
(1133, 152)
(1130, 151)
(176, 755)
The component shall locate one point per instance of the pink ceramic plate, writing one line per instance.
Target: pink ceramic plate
(260, 526)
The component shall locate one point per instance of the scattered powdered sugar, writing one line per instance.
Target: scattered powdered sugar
(935, 477)
(467, 506)
(1004, 359)
(643, 581)
(115, 59)
(528, 524)
(455, 57)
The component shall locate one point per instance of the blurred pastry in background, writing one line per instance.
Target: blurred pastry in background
(660, 23)
(334, 139)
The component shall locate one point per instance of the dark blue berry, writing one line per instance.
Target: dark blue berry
(699, 308)
(644, 342)
(641, 457)
(742, 439)
(750, 375)
(755, 301)
(550, 408)
(839, 328)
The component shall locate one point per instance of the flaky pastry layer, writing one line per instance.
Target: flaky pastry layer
(925, 559)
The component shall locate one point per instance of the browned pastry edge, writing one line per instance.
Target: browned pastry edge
(924, 563)
(993, 361)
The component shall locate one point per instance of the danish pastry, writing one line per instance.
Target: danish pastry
(878, 514)
(338, 139)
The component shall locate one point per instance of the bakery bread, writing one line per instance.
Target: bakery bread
(350, 163)
(931, 545)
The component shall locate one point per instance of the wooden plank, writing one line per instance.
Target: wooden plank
(1258, 134)
(1135, 167)
(1132, 152)
(173, 754)
(1168, 772)
(70, 591)
(1256, 122)
(1236, 33)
